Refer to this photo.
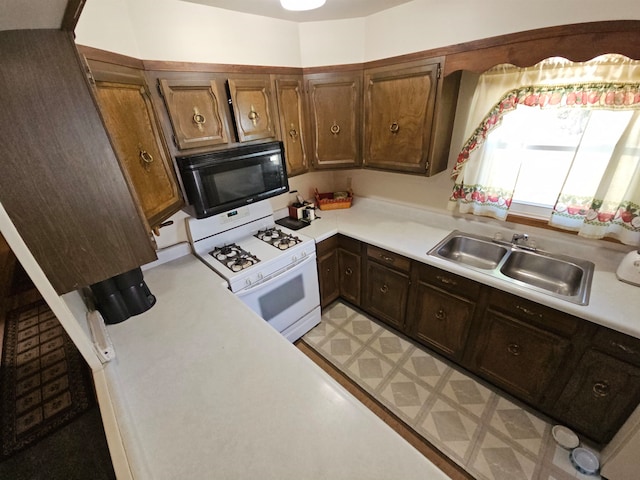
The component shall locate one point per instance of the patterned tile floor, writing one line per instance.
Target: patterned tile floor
(489, 435)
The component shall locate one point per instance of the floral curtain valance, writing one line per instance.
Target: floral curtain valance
(597, 95)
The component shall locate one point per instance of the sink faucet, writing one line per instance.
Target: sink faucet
(519, 236)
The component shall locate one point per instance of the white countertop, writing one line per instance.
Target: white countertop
(413, 232)
(204, 388)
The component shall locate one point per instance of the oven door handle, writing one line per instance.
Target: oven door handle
(276, 276)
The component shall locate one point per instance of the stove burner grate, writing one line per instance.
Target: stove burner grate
(234, 257)
(277, 238)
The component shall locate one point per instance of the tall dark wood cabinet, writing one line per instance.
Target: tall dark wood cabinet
(328, 270)
(335, 110)
(293, 126)
(60, 180)
(137, 137)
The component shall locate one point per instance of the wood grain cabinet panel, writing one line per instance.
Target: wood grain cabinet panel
(399, 107)
(293, 130)
(519, 357)
(335, 102)
(386, 293)
(139, 144)
(253, 107)
(196, 111)
(328, 270)
(350, 264)
(600, 395)
(60, 181)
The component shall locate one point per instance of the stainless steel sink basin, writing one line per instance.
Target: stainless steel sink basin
(472, 251)
(558, 275)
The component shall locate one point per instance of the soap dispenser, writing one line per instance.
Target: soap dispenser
(629, 269)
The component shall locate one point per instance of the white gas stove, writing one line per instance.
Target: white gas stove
(271, 268)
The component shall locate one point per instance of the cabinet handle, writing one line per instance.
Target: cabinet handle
(335, 128)
(146, 157)
(394, 127)
(514, 349)
(386, 258)
(384, 288)
(441, 314)
(526, 311)
(348, 271)
(293, 133)
(624, 348)
(253, 115)
(600, 389)
(447, 280)
(198, 118)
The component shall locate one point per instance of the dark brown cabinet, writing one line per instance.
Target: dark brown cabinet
(138, 140)
(197, 111)
(386, 288)
(292, 116)
(335, 110)
(253, 107)
(60, 181)
(600, 395)
(349, 262)
(328, 270)
(442, 310)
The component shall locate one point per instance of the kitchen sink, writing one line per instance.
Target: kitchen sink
(472, 251)
(558, 275)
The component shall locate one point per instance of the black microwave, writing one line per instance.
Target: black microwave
(216, 182)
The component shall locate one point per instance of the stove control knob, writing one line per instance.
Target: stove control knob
(260, 276)
(304, 254)
(294, 258)
(247, 281)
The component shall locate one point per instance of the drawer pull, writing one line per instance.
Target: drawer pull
(384, 289)
(447, 280)
(514, 349)
(394, 127)
(526, 311)
(335, 128)
(386, 258)
(441, 314)
(348, 272)
(600, 389)
(624, 348)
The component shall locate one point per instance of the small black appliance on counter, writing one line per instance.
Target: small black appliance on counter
(118, 298)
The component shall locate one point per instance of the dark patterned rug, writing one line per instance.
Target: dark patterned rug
(44, 381)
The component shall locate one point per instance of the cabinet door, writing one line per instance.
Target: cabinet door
(335, 110)
(60, 181)
(196, 112)
(253, 108)
(399, 107)
(386, 294)
(441, 320)
(328, 270)
(518, 357)
(290, 96)
(350, 273)
(140, 147)
(600, 395)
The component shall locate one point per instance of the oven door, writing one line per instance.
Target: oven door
(286, 298)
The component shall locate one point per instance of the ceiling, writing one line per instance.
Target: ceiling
(332, 10)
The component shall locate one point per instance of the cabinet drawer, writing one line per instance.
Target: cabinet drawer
(388, 258)
(449, 282)
(618, 345)
(535, 313)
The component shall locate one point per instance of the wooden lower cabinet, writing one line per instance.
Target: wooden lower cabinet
(519, 357)
(386, 292)
(328, 270)
(350, 277)
(601, 394)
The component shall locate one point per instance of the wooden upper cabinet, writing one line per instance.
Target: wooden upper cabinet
(138, 141)
(335, 109)
(60, 181)
(399, 108)
(197, 112)
(253, 107)
(291, 111)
